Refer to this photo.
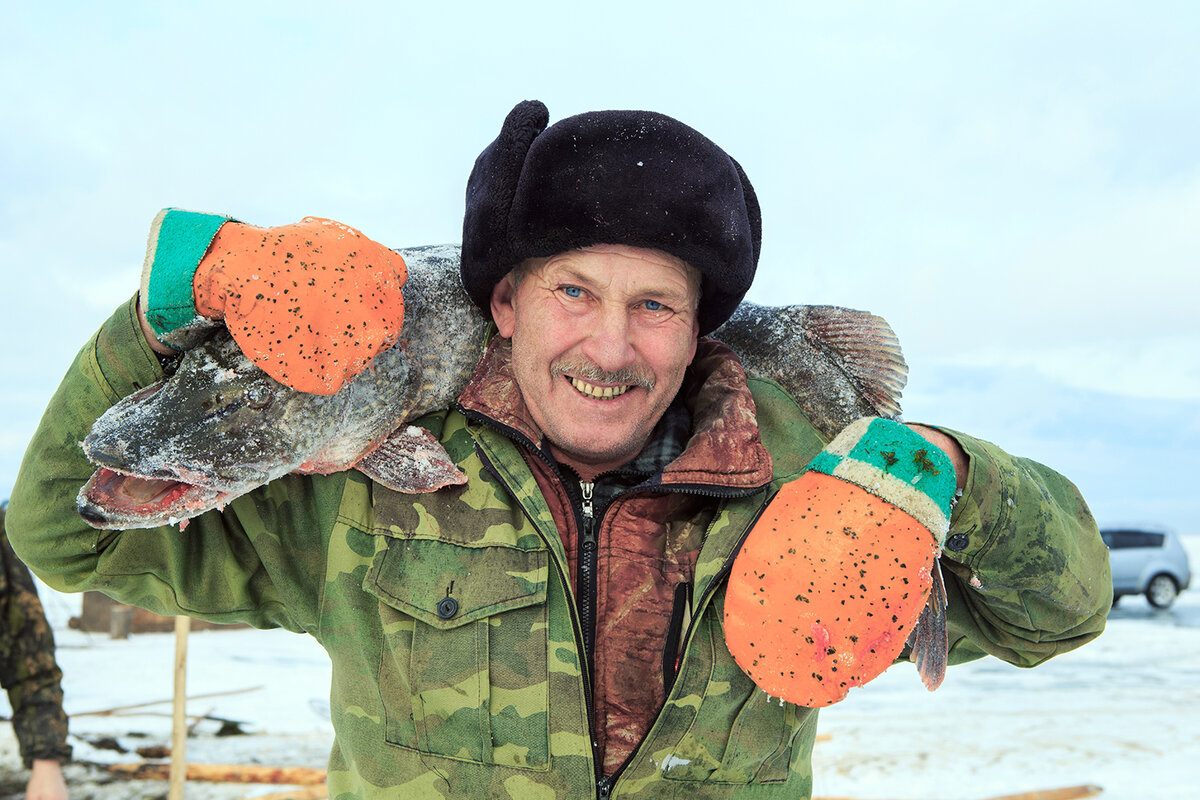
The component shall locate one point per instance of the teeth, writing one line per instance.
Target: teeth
(599, 392)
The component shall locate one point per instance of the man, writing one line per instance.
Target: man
(32, 677)
(552, 628)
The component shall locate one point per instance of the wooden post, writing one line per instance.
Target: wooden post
(120, 621)
(179, 726)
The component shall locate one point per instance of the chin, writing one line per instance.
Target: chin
(591, 451)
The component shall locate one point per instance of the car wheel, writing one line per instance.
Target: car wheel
(1162, 591)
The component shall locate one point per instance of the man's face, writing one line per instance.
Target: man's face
(601, 339)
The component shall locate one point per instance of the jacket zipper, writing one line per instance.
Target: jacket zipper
(585, 598)
(587, 571)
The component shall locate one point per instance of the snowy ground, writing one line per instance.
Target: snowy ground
(275, 683)
(1122, 713)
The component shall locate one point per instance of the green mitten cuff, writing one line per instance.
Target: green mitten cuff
(178, 241)
(896, 464)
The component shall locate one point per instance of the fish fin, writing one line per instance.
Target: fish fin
(412, 461)
(868, 349)
(929, 640)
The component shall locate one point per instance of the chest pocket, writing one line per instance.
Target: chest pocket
(463, 673)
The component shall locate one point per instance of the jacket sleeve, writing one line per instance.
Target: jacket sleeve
(261, 561)
(1027, 574)
(28, 670)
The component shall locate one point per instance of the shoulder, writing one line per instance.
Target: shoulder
(786, 431)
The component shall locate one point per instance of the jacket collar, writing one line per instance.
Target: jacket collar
(724, 450)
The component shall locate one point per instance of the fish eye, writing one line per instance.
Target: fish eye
(258, 396)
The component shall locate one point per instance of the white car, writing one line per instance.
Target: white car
(1147, 562)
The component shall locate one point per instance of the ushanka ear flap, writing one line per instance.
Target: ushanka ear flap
(833, 576)
(490, 191)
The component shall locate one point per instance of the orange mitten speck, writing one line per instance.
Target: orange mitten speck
(310, 303)
(834, 574)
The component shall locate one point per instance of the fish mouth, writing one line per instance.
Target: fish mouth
(112, 499)
(598, 392)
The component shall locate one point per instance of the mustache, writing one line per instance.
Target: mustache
(585, 370)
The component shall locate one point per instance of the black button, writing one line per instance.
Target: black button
(957, 542)
(447, 608)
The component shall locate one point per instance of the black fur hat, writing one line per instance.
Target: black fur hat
(610, 177)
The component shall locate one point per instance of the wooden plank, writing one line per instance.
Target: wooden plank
(303, 793)
(224, 773)
(1062, 793)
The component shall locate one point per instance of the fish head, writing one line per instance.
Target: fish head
(216, 428)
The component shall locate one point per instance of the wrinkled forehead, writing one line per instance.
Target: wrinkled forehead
(594, 262)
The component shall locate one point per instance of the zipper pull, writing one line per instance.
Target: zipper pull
(585, 489)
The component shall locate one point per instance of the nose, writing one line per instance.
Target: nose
(609, 344)
(106, 450)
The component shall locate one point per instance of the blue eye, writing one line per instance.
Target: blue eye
(573, 291)
(654, 305)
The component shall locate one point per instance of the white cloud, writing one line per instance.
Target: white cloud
(1162, 368)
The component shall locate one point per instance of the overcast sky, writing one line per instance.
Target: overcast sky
(1014, 187)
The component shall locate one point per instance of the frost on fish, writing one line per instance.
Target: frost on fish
(838, 363)
(219, 427)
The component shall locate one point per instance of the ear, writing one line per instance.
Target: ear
(504, 308)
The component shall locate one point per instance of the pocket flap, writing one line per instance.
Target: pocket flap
(446, 585)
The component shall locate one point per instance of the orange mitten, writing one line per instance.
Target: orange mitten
(831, 579)
(311, 303)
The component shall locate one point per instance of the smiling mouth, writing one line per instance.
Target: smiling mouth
(598, 392)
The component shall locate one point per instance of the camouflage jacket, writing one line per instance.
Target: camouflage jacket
(28, 670)
(636, 559)
(449, 618)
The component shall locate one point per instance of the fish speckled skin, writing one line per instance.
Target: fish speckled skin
(838, 363)
(218, 426)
